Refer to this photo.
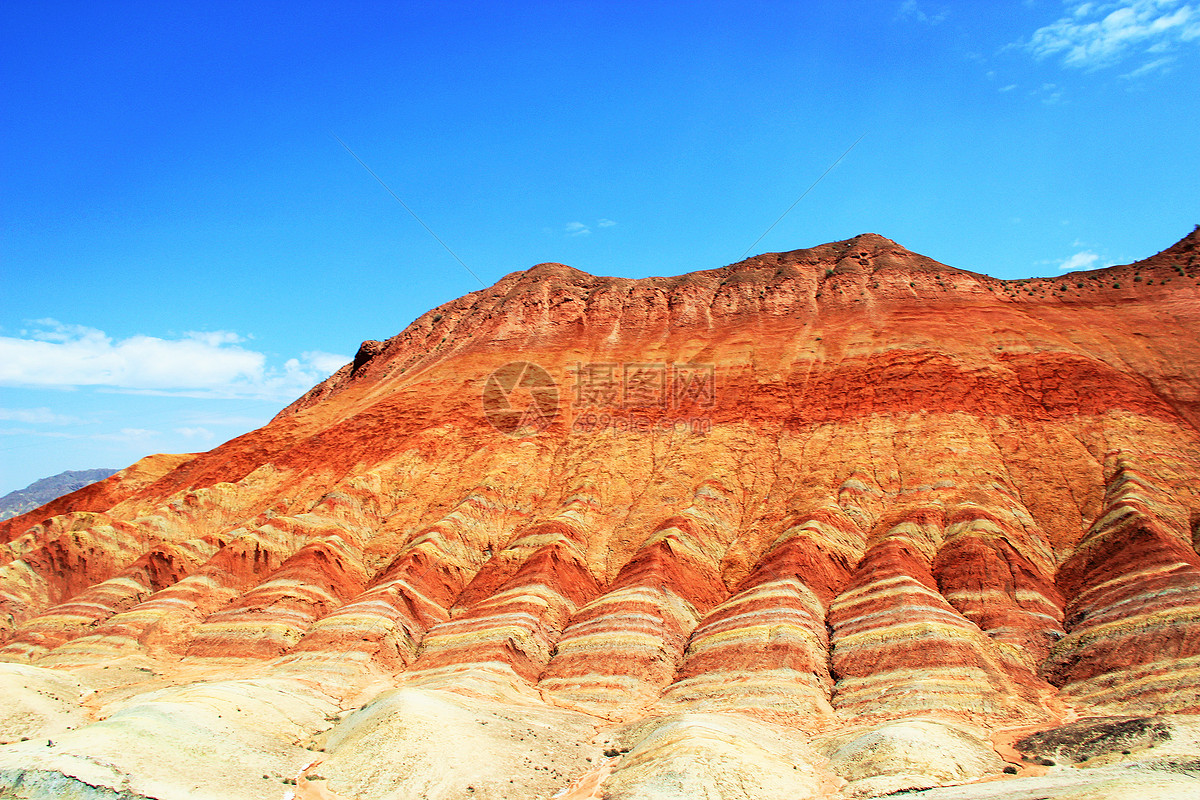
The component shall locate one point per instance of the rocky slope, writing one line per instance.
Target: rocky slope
(836, 522)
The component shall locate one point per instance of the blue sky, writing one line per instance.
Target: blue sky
(186, 247)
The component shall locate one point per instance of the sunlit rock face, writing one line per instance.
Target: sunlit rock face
(732, 526)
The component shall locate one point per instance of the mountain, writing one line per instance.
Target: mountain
(44, 490)
(835, 522)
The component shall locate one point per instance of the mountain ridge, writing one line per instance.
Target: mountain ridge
(748, 527)
(831, 258)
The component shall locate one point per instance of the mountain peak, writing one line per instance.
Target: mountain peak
(546, 271)
(553, 268)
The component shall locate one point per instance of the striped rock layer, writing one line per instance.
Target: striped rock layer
(847, 482)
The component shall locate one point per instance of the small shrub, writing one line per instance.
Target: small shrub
(1010, 770)
(1116, 286)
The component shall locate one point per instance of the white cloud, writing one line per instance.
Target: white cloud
(328, 363)
(200, 419)
(33, 432)
(582, 229)
(1157, 65)
(36, 416)
(1007, 88)
(195, 433)
(1095, 35)
(198, 364)
(1084, 259)
(1048, 93)
(910, 9)
(215, 338)
(126, 435)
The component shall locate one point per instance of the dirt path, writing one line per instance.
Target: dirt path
(308, 789)
(587, 786)
(1003, 739)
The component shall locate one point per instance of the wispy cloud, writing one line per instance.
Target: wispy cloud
(1096, 35)
(212, 419)
(1084, 259)
(195, 433)
(911, 9)
(37, 416)
(126, 435)
(327, 363)
(1048, 93)
(36, 432)
(583, 229)
(1157, 65)
(199, 364)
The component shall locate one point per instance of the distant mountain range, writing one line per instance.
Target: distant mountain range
(43, 491)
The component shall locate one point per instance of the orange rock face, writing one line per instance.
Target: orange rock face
(843, 483)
